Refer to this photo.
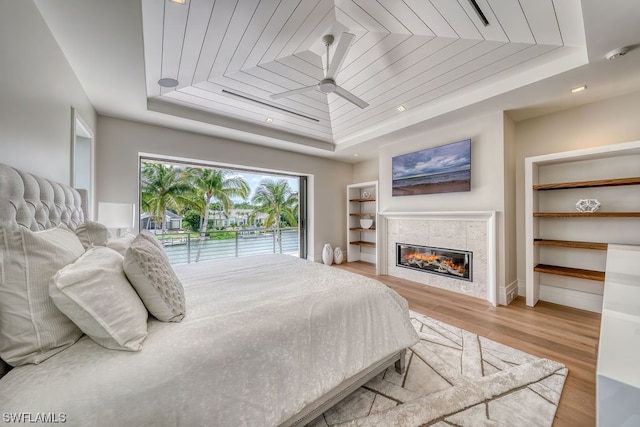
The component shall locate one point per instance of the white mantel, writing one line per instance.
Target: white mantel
(487, 217)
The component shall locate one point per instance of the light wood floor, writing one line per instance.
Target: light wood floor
(567, 335)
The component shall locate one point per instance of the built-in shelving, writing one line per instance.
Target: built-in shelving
(586, 214)
(362, 243)
(570, 272)
(561, 241)
(586, 184)
(571, 244)
(362, 203)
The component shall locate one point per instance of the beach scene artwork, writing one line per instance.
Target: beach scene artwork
(443, 169)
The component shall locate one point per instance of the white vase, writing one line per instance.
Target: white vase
(338, 257)
(327, 254)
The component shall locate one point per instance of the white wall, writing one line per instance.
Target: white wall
(611, 121)
(487, 134)
(510, 213)
(365, 171)
(119, 143)
(37, 90)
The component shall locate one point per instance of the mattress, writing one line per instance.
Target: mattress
(263, 337)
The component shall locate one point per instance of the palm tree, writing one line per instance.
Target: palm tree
(279, 202)
(162, 187)
(215, 185)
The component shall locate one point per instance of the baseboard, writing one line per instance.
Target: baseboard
(508, 293)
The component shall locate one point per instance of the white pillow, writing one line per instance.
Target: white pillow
(149, 271)
(95, 294)
(92, 233)
(120, 244)
(32, 329)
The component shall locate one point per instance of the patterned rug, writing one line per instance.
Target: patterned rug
(455, 378)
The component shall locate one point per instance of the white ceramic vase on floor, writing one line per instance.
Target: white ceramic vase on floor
(338, 256)
(327, 254)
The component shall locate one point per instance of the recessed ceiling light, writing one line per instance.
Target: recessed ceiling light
(178, 1)
(401, 108)
(579, 89)
(356, 155)
(168, 82)
(269, 120)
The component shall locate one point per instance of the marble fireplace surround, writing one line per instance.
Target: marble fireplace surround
(464, 230)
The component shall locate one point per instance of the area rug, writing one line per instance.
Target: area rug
(455, 378)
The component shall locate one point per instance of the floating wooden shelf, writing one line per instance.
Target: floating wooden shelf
(362, 229)
(570, 272)
(362, 200)
(570, 244)
(586, 214)
(362, 243)
(586, 184)
(362, 214)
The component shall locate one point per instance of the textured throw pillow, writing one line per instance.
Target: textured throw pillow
(150, 273)
(120, 244)
(95, 294)
(32, 329)
(92, 233)
(146, 234)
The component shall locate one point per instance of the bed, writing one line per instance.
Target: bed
(265, 341)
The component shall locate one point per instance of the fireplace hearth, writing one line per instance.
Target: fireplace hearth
(452, 263)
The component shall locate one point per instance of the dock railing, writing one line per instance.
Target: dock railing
(188, 247)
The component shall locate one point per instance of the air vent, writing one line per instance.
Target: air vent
(266, 104)
(481, 15)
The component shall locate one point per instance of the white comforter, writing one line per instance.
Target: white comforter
(263, 337)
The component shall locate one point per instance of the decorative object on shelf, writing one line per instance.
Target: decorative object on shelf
(327, 254)
(366, 195)
(366, 222)
(338, 256)
(588, 205)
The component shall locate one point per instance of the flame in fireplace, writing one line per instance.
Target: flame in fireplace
(444, 264)
(454, 266)
(422, 257)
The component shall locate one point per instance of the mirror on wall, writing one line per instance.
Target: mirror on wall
(82, 157)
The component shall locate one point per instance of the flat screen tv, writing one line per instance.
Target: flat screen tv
(442, 169)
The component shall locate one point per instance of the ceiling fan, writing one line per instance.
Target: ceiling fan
(328, 84)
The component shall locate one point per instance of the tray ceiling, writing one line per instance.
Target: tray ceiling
(230, 56)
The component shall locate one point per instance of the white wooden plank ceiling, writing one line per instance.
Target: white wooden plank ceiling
(230, 56)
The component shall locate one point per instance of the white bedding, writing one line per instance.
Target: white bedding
(262, 337)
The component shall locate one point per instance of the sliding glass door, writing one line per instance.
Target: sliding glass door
(201, 211)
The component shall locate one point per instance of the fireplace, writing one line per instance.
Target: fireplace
(452, 263)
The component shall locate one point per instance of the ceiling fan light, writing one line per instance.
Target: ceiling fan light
(327, 86)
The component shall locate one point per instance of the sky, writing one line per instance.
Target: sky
(446, 158)
(254, 179)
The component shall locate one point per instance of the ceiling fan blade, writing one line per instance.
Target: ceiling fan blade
(339, 54)
(350, 97)
(293, 92)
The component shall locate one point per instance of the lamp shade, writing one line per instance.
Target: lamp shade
(116, 215)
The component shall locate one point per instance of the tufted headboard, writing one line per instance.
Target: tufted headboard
(39, 203)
